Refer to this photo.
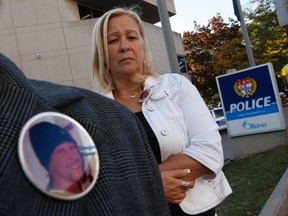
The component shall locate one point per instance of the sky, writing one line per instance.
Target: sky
(188, 11)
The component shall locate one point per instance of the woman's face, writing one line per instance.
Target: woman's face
(125, 47)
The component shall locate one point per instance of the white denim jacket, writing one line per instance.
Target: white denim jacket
(182, 122)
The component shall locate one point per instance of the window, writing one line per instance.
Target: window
(218, 113)
(182, 64)
(88, 12)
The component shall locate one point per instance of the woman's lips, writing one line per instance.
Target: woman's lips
(126, 59)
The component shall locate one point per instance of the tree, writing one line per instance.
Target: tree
(269, 40)
(213, 49)
(209, 53)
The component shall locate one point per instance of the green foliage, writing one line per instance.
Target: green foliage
(213, 49)
(269, 40)
(204, 49)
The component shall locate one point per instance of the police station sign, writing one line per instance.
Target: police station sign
(251, 101)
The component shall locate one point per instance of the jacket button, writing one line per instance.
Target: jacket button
(150, 108)
(164, 132)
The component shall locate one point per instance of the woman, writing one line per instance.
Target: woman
(182, 134)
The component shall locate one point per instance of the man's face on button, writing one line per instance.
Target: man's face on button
(65, 165)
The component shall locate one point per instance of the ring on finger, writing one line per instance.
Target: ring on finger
(185, 184)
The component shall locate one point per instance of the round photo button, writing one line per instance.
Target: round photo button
(58, 156)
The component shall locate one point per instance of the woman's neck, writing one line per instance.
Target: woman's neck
(127, 90)
(128, 96)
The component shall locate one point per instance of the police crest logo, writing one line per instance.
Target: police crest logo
(245, 87)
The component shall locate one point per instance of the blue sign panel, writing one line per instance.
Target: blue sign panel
(250, 101)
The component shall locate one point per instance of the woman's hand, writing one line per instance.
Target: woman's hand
(174, 187)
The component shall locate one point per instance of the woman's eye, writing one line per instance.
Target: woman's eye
(132, 37)
(112, 40)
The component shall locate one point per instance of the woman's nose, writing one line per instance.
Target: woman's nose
(124, 47)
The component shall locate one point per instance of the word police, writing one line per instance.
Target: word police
(250, 105)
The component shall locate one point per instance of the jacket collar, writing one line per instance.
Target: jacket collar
(56, 95)
(149, 83)
(152, 84)
(109, 95)
(157, 90)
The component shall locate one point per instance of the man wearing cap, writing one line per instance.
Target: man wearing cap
(129, 182)
(58, 153)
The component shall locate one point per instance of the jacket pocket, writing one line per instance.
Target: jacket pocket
(166, 100)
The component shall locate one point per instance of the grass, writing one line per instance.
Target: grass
(253, 179)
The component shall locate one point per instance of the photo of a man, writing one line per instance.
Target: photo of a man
(57, 151)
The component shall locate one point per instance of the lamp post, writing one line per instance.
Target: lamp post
(239, 14)
(168, 37)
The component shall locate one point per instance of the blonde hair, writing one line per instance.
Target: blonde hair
(100, 59)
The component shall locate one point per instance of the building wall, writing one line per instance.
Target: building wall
(169, 3)
(48, 41)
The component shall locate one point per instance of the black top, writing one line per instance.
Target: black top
(151, 136)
